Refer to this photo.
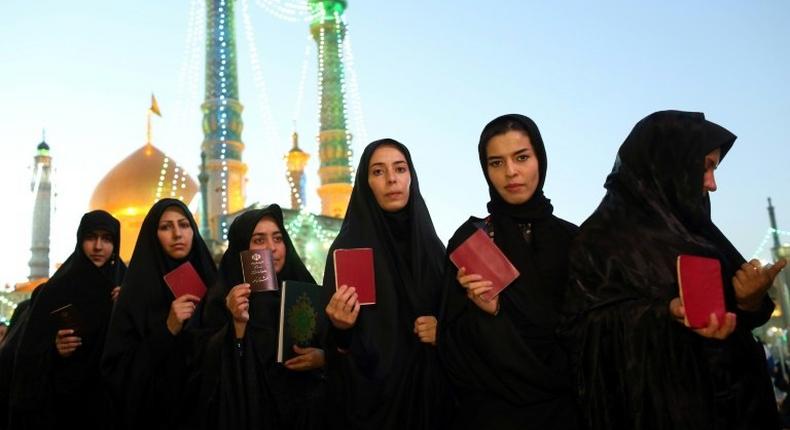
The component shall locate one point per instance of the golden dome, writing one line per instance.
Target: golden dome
(130, 189)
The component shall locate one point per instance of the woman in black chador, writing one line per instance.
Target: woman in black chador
(639, 366)
(56, 378)
(383, 372)
(503, 356)
(147, 352)
(241, 385)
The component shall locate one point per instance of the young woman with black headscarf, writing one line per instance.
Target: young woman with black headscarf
(56, 377)
(383, 372)
(639, 365)
(147, 353)
(503, 356)
(241, 386)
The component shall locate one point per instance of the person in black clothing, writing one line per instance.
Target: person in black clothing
(241, 384)
(639, 365)
(383, 372)
(147, 353)
(503, 355)
(8, 353)
(56, 378)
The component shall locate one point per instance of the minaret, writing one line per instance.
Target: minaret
(42, 187)
(296, 160)
(222, 124)
(334, 140)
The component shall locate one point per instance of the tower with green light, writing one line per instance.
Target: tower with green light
(41, 186)
(222, 124)
(334, 140)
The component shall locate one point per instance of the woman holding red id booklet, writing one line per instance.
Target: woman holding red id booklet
(382, 367)
(147, 351)
(645, 359)
(501, 352)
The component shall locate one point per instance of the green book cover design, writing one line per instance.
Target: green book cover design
(302, 320)
(301, 317)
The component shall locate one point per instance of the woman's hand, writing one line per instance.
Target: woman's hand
(475, 287)
(425, 329)
(714, 330)
(114, 293)
(66, 343)
(308, 359)
(752, 281)
(238, 303)
(343, 308)
(181, 309)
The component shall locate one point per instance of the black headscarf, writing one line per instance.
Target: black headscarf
(512, 362)
(41, 376)
(143, 362)
(624, 276)
(390, 378)
(246, 389)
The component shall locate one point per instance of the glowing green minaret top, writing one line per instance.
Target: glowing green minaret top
(329, 30)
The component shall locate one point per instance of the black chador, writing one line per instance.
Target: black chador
(145, 365)
(509, 370)
(49, 389)
(638, 367)
(240, 385)
(387, 378)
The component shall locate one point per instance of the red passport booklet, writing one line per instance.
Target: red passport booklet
(354, 267)
(184, 279)
(701, 289)
(480, 256)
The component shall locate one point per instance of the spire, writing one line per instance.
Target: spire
(329, 30)
(222, 123)
(296, 160)
(42, 188)
(153, 110)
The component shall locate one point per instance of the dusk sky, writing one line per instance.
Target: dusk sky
(430, 74)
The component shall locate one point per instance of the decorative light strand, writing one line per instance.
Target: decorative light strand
(270, 125)
(764, 243)
(222, 115)
(338, 24)
(286, 10)
(358, 117)
(308, 50)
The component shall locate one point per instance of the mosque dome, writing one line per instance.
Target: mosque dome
(130, 189)
(43, 146)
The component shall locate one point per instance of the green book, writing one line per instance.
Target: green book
(302, 317)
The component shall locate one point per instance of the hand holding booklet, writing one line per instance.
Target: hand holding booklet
(480, 256)
(701, 289)
(184, 279)
(68, 317)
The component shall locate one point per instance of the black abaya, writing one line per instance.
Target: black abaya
(510, 370)
(638, 368)
(387, 378)
(145, 365)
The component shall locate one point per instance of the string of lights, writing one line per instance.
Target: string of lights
(271, 131)
(286, 10)
(766, 238)
(339, 34)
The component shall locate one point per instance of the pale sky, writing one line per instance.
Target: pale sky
(430, 74)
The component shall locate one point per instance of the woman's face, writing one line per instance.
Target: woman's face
(267, 235)
(98, 246)
(512, 166)
(175, 233)
(712, 160)
(389, 178)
